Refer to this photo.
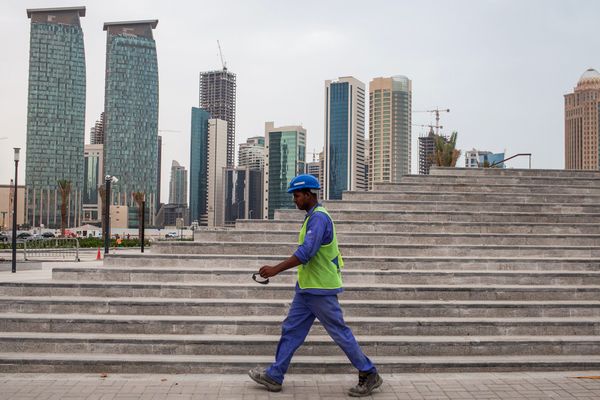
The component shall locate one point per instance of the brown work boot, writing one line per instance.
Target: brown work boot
(259, 375)
(366, 384)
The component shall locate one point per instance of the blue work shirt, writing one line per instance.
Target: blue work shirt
(319, 231)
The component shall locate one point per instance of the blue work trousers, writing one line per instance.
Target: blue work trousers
(301, 316)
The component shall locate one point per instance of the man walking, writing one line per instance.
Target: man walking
(319, 282)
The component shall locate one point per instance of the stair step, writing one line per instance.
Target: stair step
(260, 306)
(513, 172)
(351, 275)
(153, 363)
(412, 238)
(375, 249)
(494, 189)
(314, 345)
(440, 226)
(271, 325)
(168, 261)
(276, 290)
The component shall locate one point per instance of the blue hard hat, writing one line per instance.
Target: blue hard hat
(304, 181)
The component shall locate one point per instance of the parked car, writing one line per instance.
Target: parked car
(24, 235)
(3, 237)
(171, 235)
(48, 235)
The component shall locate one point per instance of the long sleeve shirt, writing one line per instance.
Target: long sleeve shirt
(319, 231)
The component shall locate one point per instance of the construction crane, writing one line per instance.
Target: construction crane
(437, 112)
(223, 62)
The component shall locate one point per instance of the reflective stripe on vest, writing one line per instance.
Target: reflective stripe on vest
(320, 272)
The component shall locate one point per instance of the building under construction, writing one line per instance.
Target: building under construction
(217, 96)
(426, 151)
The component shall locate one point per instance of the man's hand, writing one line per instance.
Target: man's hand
(267, 271)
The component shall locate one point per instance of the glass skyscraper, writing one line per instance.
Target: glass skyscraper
(285, 150)
(131, 111)
(55, 114)
(178, 184)
(199, 163)
(344, 167)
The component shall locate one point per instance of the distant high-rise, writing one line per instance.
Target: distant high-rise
(478, 158)
(217, 96)
(158, 173)
(390, 104)
(285, 157)
(199, 165)
(97, 131)
(252, 153)
(344, 167)
(582, 123)
(243, 188)
(178, 184)
(217, 161)
(426, 152)
(55, 114)
(93, 179)
(131, 112)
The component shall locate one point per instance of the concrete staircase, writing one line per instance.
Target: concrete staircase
(462, 270)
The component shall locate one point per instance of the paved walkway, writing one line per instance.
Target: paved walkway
(521, 385)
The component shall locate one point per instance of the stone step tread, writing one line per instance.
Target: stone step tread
(471, 184)
(494, 176)
(296, 222)
(442, 202)
(354, 271)
(430, 212)
(113, 337)
(287, 286)
(358, 258)
(253, 360)
(201, 301)
(399, 245)
(278, 319)
(442, 193)
(409, 234)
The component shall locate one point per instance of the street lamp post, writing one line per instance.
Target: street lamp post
(14, 227)
(108, 179)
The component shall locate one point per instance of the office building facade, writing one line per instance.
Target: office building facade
(131, 112)
(55, 115)
(285, 157)
(252, 153)
(93, 172)
(243, 188)
(479, 159)
(582, 123)
(217, 161)
(199, 165)
(390, 108)
(178, 185)
(218, 97)
(344, 152)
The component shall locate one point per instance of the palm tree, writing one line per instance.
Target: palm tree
(65, 191)
(446, 154)
(139, 198)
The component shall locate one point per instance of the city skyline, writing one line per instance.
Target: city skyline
(502, 83)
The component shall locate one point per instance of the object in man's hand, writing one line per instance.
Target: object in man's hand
(258, 279)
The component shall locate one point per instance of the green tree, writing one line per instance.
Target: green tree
(65, 192)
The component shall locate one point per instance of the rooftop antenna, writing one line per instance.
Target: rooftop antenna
(223, 62)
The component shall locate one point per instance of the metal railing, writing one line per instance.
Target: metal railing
(51, 249)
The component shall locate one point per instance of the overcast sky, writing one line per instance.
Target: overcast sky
(501, 67)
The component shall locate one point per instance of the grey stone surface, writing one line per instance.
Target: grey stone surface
(509, 386)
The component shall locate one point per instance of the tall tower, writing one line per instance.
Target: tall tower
(285, 157)
(217, 96)
(178, 184)
(252, 153)
(55, 114)
(344, 150)
(390, 104)
(131, 111)
(199, 164)
(217, 161)
(582, 123)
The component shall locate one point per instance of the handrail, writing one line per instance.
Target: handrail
(510, 158)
